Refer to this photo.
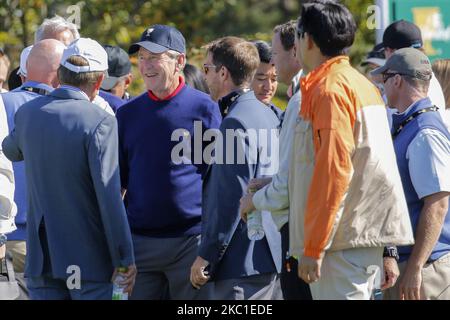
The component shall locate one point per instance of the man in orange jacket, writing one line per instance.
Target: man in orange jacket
(347, 201)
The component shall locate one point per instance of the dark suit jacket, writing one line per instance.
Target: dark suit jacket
(70, 148)
(225, 244)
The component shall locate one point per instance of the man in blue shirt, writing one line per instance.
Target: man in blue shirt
(43, 63)
(163, 189)
(422, 146)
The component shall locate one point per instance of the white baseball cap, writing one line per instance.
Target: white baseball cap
(90, 50)
(23, 61)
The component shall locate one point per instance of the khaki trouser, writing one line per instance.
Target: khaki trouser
(435, 281)
(349, 274)
(18, 250)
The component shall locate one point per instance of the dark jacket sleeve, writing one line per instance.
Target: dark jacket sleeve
(225, 187)
(104, 169)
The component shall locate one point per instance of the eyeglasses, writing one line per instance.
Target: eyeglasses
(388, 75)
(207, 66)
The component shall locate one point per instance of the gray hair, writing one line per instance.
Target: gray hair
(174, 55)
(55, 25)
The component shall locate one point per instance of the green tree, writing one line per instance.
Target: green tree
(122, 22)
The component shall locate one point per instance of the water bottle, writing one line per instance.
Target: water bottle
(118, 293)
(255, 230)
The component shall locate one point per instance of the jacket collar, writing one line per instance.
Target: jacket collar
(398, 118)
(227, 103)
(309, 82)
(66, 93)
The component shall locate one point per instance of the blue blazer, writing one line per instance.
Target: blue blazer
(70, 148)
(13, 100)
(225, 244)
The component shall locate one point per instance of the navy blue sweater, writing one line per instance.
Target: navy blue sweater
(163, 199)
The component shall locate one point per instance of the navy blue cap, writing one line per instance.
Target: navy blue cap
(160, 38)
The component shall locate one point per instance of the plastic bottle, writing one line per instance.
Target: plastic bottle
(118, 293)
(255, 230)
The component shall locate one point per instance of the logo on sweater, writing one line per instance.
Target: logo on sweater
(259, 147)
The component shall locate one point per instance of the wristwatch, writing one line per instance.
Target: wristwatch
(3, 239)
(391, 252)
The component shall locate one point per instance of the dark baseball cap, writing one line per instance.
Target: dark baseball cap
(376, 56)
(408, 61)
(160, 38)
(119, 65)
(402, 34)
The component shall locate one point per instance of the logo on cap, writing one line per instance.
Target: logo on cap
(149, 32)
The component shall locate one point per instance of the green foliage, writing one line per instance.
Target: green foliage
(120, 23)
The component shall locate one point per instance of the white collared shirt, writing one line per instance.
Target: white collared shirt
(98, 101)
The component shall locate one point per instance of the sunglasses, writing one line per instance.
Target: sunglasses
(388, 75)
(207, 66)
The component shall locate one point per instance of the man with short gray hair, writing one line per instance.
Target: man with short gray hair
(77, 229)
(57, 28)
(422, 147)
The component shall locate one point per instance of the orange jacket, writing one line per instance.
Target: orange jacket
(337, 102)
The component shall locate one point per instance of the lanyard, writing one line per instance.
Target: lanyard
(411, 118)
(42, 92)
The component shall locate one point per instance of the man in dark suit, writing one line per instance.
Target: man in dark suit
(78, 234)
(239, 268)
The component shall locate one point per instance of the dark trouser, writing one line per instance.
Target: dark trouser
(164, 266)
(292, 286)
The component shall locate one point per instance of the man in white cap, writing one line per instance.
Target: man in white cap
(78, 234)
(22, 72)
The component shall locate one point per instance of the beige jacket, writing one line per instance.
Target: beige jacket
(345, 190)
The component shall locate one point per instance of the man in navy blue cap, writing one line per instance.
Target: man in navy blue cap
(163, 196)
